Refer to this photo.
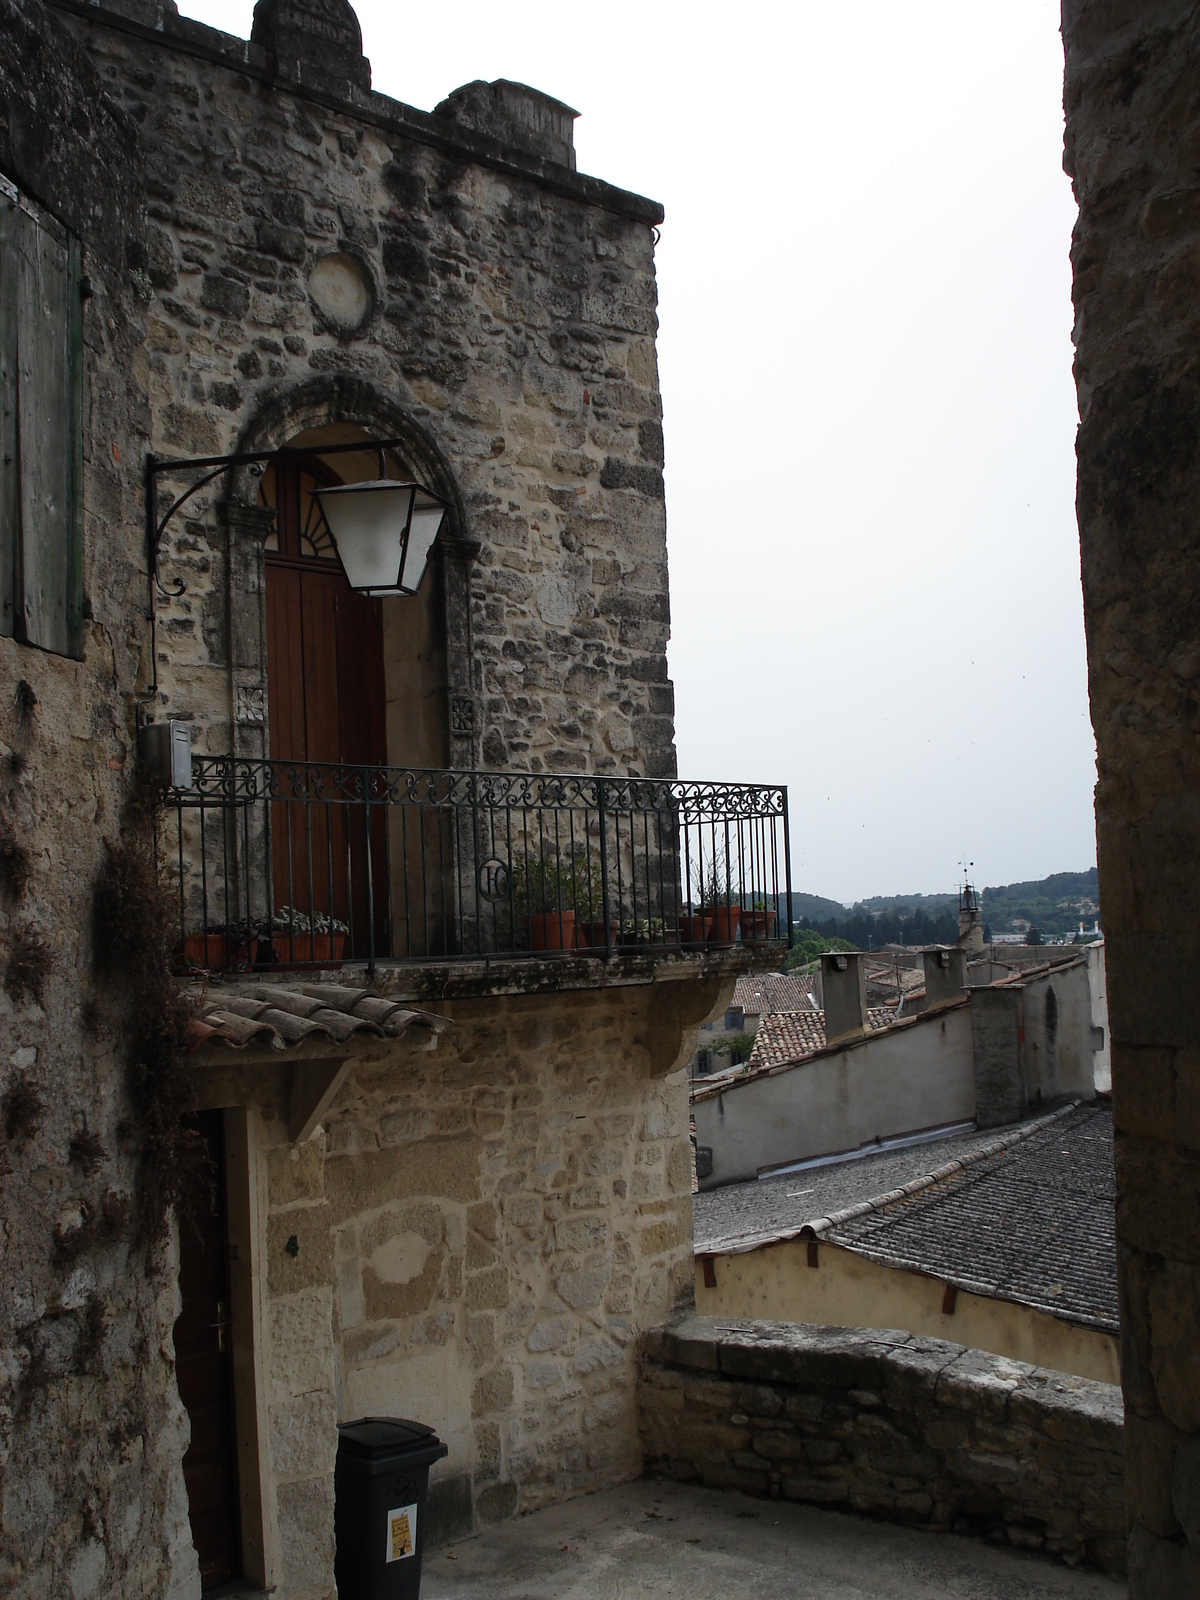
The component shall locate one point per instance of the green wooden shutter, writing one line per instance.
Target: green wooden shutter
(9, 464)
(42, 499)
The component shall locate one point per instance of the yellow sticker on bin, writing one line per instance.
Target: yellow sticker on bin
(401, 1533)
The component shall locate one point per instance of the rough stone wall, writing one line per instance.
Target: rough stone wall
(91, 1430)
(883, 1423)
(511, 322)
(1133, 138)
(482, 1233)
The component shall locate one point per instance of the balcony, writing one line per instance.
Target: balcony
(281, 866)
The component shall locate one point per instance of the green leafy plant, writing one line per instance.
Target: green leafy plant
(714, 886)
(288, 920)
(551, 886)
(808, 947)
(737, 1046)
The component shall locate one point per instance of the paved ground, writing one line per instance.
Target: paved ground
(663, 1539)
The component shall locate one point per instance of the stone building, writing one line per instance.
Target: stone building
(454, 1187)
(1133, 119)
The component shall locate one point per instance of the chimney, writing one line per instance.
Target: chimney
(845, 991)
(945, 974)
(970, 920)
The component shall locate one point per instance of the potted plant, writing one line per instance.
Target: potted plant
(696, 926)
(544, 894)
(301, 940)
(591, 930)
(228, 947)
(643, 930)
(723, 902)
(759, 923)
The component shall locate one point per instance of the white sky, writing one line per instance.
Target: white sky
(869, 413)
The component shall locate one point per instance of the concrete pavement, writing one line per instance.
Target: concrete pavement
(664, 1539)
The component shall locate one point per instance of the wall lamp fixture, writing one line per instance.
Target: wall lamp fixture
(383, 530)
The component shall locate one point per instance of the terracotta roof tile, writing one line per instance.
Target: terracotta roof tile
(761, 994)
(269, 1015)
(789, 1036)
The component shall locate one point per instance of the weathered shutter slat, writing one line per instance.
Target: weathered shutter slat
(9, 463)
(45, 435)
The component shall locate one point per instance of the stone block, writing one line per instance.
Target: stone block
(774, 1446)
(303, 1434)
(1070, 1408)
(582, 1290)
(299, 1250)
(431, 1168)
(492, 1392)
(911, 1370)
(306, 1535)
(1174, 1296)
(496, 1503)
(488, 1290)
(301, 1353)
(979, 1382)
(296, 1172)
(224, 296)
(1161, 1569)
(815, 1491)
(1149, 1461)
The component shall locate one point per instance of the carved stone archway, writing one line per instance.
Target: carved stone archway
(319, 403)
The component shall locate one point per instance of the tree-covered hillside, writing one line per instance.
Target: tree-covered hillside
(1053, 906)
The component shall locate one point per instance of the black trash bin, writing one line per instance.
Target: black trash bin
(381, 1485)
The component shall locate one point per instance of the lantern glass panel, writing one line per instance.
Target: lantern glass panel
(367, 521)
(426, 521)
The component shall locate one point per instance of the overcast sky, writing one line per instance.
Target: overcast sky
(865, 349)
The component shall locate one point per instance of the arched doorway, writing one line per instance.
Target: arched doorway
(325, 704)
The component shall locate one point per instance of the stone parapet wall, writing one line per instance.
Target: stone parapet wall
(879, 1422)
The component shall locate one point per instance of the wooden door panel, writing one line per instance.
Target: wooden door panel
(285, 665)
(325, 704)
(319, 613)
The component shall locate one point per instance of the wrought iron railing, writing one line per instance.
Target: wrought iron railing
(291, 864)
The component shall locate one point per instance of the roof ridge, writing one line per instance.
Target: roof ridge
(940, 1174)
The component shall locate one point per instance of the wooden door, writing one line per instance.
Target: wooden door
(325, 696)
(204, 1364)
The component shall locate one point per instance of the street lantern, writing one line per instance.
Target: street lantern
(383, 531)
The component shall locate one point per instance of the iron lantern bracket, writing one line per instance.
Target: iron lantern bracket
(208, 468)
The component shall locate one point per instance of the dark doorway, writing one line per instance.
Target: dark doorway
(325, 694)
(204, 1363)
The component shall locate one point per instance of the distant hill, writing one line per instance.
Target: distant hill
(904, 903)
(1053, 905)
(814, 907)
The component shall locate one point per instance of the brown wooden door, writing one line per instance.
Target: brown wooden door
(325, 695)
(204, 1364)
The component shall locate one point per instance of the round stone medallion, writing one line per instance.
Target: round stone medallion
(342, 291)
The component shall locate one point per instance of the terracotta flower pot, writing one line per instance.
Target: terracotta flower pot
(758, 925)
(696, 928)
(726, 920)
(212, 951)
(308, 949)
(591, 935)
(552, 930)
